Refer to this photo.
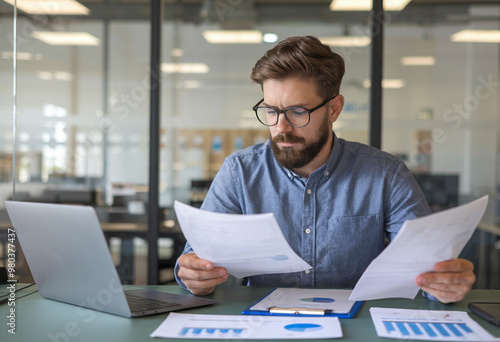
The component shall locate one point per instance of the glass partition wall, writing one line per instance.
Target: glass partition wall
(83, 106)
(441, 112)
(82, 121)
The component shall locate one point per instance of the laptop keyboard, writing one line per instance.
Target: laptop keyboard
(140, 303)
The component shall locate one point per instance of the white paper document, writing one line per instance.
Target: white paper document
(245, 245)
(232, 327)
(418, 246)
(430, 325)
(336, 301)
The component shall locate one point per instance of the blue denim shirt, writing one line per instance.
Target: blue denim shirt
(336, 220)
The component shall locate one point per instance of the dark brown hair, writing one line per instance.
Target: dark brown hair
(305, 57)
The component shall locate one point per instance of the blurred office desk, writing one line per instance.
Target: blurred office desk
(127, 231)
(39, 319)
(489, 253)
(128, 223)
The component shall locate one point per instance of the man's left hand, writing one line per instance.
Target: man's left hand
(450, 281)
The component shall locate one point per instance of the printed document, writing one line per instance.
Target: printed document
(245, 245)
(429, 325)
(336, 301)
(418, 246)
(233, 327)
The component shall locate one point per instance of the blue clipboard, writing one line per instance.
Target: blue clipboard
(303, 312)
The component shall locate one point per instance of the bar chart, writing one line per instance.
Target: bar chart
(430, 331)
(199, 332)
(247, 327)
(430, 325)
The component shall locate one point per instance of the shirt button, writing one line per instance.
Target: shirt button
(306, 271)
(327, 173)
(309, 191)
(308, 231)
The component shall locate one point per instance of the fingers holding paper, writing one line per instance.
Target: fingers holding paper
(450, 281)
(199, 275)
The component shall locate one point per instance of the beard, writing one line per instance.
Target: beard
(296, 158)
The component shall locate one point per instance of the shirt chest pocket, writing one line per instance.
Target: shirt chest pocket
(353, 242)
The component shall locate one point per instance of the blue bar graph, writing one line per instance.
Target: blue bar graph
(402, 328)
(415, 328)
(431, 331)
(200, 332)
(454, 330)
(389, 326)
(428, 329)
(441, 330)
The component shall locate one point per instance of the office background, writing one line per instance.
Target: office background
(83, 103)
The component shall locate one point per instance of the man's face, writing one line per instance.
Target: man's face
(295, 147)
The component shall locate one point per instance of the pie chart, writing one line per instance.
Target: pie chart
(318, 300)
(303, 327)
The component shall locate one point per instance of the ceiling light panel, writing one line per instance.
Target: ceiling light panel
(387, 83)
(366, 5)
(418, 60)
(270, 38)
(358, 41)
(476, 36)
(185, 68)
(66, 38)
(233, 36)
(20, 56)
(51, 7)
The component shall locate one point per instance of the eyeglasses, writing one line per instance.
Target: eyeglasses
(295, 116)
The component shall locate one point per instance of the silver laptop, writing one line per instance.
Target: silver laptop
(70, 262)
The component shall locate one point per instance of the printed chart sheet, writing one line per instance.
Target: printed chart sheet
(178, 325)
(418, 246)
(245, 245)
(431, 325)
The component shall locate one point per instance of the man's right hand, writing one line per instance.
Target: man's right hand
(199, 275)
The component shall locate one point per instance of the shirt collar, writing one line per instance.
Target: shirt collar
(291, 175)
(333, 158)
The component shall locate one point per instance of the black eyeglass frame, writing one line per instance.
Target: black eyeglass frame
(279, 111)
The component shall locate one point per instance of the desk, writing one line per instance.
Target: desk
(128, 231)
(39, 319)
